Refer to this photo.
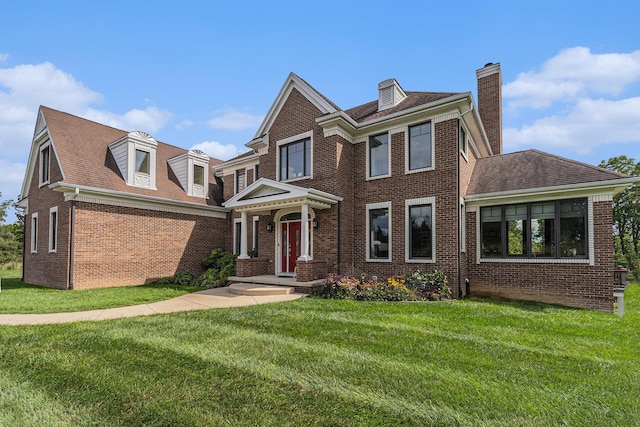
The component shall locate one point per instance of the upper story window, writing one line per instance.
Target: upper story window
(295, 157)
(135, 155)
(551, 229)
(241, 180)
(379, 156)
(45, 162)
(191, 170)
(419, 148)
(142, 162)
(463, 141)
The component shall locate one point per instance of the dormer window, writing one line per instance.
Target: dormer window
(135, 155)
(192, 171)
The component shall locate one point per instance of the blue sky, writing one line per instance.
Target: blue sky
(203, 74)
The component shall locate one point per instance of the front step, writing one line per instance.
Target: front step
(252, 289)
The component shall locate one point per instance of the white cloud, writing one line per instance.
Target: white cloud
(235, 120)
(11, 178)
(591, 123)
(24, 88)
(573, 73)
(4, 57)
(218, 150)
(184, 124)
(149, 120)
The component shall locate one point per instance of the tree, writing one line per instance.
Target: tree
(11, 234)
(626, 215)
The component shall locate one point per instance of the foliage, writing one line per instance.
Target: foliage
(316, 362)
(626, 216)
(416, 286)
(219, 266)
(10, 245)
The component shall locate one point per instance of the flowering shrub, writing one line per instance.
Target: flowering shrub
(417, 286)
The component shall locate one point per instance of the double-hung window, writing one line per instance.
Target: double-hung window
(378, 155)
(295, 159)
(34, 233)
(379, 231)
(53, 229)
(419, 148)
(549, 229)
(241, 180)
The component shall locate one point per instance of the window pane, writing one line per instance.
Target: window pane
(295, 159)
(283, 162)
(379, 155)
(198, 175)
(491, 218)
(238, 229)
(53, 224)
(379, 233)
(463, 140)
(240, 180)
(516, 238)
(421, 231)
(142, 161)
(45, 164)
(420, 146)
(543, 230)
(573, 229)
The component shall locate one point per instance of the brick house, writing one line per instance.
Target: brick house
(412, 180)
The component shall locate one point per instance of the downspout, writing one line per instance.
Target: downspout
(24, 244)
(460, 213)
(71, 237)
(339, 245)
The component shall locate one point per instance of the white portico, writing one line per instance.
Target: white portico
(291, 203)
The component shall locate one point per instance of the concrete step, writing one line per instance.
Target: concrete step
(253, 289)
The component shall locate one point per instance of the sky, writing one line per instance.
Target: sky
(202, 74)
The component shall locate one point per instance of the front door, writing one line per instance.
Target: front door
(290, 244)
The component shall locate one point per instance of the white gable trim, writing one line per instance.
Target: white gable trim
(293, 81)
(266, 194)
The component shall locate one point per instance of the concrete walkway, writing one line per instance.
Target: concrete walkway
(202, 300)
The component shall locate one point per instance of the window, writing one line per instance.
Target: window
(379, 232)
(255, 234)
(463, 140)
(379, 155)
(237, 236)
(53, 229)
(256, 173)
(34, 233)
(241, 180)
(142, 162)
(45, 156)
(463, 227)
(552, 229)
(295, 160)
(198, 175)
(419, 231)
(419, 147)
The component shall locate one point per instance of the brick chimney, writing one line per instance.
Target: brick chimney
(490, 103)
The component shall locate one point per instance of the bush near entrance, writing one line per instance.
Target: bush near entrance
(219, 266)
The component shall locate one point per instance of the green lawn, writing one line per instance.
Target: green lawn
(330, 363)
(18, 297)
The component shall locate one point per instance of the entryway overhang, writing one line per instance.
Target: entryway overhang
(265, 195)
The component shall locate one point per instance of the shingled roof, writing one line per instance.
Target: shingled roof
(83, 153)
(369, 111)
(524, 170)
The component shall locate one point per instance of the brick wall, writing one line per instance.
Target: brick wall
(119, 246)
(490, 106)
(574, 285)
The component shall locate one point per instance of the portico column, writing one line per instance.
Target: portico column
(304, 239)
(243, 236)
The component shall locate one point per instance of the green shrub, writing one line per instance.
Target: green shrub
(183, 278)
(219, 266)
(416, 286)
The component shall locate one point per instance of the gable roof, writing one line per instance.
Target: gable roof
(534, 169)
(81, 147)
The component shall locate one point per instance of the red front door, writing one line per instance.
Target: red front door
(290, 245)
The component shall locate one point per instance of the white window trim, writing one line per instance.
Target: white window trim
(289, 140)
(235, 235)
(41, 182)
(368, 176)
(465, 152)
(132, 165)
(34, 233)
(406, 149)
(235, 179)
(256, 228)
(197, 190)
(369, 207)
(407, 230)
(53, 230)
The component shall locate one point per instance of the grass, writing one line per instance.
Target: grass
(18, 297)
(322, 362)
